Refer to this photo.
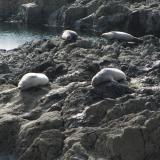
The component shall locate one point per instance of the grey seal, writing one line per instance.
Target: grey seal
(69, 35)
(108, 74)
(121, 36)
(32, 80)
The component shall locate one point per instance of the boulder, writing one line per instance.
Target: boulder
(47, 146)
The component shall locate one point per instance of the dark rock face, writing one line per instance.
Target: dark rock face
(136, 17)
(84, 23)
(74, 13)
(7, 8)
(144, 22)
(30, 13)
(107, 19)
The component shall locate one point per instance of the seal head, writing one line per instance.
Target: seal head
(69, 35)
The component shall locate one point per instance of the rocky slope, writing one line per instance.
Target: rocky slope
(69, 119)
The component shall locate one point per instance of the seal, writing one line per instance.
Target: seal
(69, 35)
(108, 74)
(32, 80)
(121, 36)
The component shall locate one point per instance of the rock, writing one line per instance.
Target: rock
(79, 142)
(96, 15)
(48, 145)
(69, 118)
(72, 14)
(43, 66)
(7, 8)
(138, 25)
(128, 144)
(134, 26)
(76, 152)
(56, 18)
(9, 127)
(31, 13)
(150, 2)
(47, 46)
(111, 90)
(152, 123)
(33, 115)
(85, 23)
(96, 112)
(107, 19)
(4, 68)
(156, 65)
(49, 6)
(31, 130)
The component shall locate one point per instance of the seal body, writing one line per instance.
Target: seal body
(121, 36)
(108, 74)
(69, 35)
(32, 80)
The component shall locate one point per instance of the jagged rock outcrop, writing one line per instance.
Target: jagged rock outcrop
(70, 119)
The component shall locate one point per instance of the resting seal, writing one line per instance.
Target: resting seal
(32, 80)
(121, 36)
(108, 74)
(69, 35)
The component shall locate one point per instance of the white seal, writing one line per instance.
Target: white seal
(69, 35)
(108, 74)
(32, 80)
(121, 36)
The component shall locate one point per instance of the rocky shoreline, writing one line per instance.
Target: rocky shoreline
(138, 17)
(69, 119)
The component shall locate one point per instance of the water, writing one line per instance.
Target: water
(13, 35)
(7, 157)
